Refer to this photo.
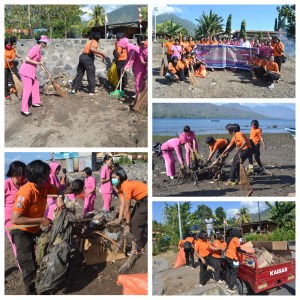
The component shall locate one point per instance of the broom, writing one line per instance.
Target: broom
(142, 100)
(18, 84)
(192, 76)
(60, 92)
(162, 65)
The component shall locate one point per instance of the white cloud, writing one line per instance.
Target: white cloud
(167, 9)
(110, 8)
(253, 206)
(231, 212)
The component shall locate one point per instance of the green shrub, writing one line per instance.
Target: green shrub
(279, 234)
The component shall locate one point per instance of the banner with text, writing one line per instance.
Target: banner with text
(225, 56)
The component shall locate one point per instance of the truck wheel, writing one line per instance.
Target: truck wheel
(240, 287)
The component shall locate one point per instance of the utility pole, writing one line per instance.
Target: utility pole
(259, 217)
(179, 221)
(155, 13)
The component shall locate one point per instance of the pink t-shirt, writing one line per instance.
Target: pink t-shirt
(176, 51)
(27, 69)
(106, 188)
(90, 184)
(10, 190)
(173, 144)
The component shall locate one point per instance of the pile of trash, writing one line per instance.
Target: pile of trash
(263, 256)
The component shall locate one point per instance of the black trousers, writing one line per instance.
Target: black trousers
(86, 64)
(278, 60)
(231, 273)
(8, 77)
(221, 150)
(259, 72)
(120, 66)
(25, 242)
(180, 75)
(203, 269)
(235, 167)
(169, 57)
(189, 257)
(139, 222)
(271, 77)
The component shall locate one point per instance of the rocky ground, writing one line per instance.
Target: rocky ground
(279, 159)
(96, 279)
(77, 120)
(223, 83)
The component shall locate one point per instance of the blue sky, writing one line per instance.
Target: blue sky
(230, 207)
(25, 157)
(258, 17)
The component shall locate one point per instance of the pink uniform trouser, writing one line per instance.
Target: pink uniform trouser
(106, 201)
(30, 87)
(169, 162)
(51, 206)
(139, 82)
(12, 245)
(88, 204)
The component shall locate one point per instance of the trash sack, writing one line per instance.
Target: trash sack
(112, 75)
(200, 72)
(57, 269)
(134, 284)
(180, 259)
(248, 247)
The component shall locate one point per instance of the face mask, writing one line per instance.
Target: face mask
(8, 47)
(253, 126)
(115, 181)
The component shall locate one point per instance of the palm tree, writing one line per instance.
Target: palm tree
(209, 24)
(170, 28)
(243, 216)
(97, 16)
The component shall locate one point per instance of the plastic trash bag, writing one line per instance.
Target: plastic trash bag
(112, 75)
(134, 284)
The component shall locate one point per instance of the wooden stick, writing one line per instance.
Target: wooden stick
(106, 237)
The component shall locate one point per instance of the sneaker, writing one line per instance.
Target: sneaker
(26, 114)
(91, 94)
(229, 290)
(172, 177)
(230, 183)
(200, 285)
(271, 86)
(72, 92)
(220, 281)
(187, 266)
(37, 105)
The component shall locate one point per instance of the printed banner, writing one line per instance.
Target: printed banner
(223, 56)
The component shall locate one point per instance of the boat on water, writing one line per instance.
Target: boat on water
(292, 131)
(214, 120)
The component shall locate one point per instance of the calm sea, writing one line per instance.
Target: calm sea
(171, 127)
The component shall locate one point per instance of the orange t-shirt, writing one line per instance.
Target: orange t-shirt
(219, 143)
(262, 62)
(256, 61)
(255, 135)
(220, 245)
(278, 49)
(178, 67)
(191, 46)
(190, 239)
(121, 51)
(190, 61)
(181, 242)
(239, 138)
(185, 46)
(202, 248)
(231, 250)
(8, 55)
(214, 42)
(133, 189)
(88, 45)
(31, 202)
(169, 47)
(183, 65)
(272, 66)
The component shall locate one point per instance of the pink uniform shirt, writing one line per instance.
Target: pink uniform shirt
(27, 69)
(106, 188)
(10, 191)
(173, 144)
(90, 184)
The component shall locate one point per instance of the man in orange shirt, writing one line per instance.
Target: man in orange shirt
(243, 146)
(233, 247)
(255, 139)
(188, 245)
(220, 245)
(29, 208)
(169, 46)
(272, 73)
(175, 70)
(216, 145)
(136, 222)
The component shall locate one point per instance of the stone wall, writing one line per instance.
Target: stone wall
(61, 56)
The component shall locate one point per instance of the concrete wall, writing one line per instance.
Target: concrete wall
(62, 55)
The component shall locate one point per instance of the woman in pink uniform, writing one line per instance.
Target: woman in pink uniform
(16, 173)
(90, 191)
(191, 144)
(137, 59)
(167, 153)
(54, 180)
(106, 186)
(28, 75)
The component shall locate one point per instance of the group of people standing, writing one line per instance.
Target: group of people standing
(245, 147)
(219, 253)
(34, 192)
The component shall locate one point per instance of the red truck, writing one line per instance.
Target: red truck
(251, 279)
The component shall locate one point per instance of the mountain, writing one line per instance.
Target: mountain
(188, 25)
(275, 111)
(204, 110)
(127, 13)
(264, 215)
